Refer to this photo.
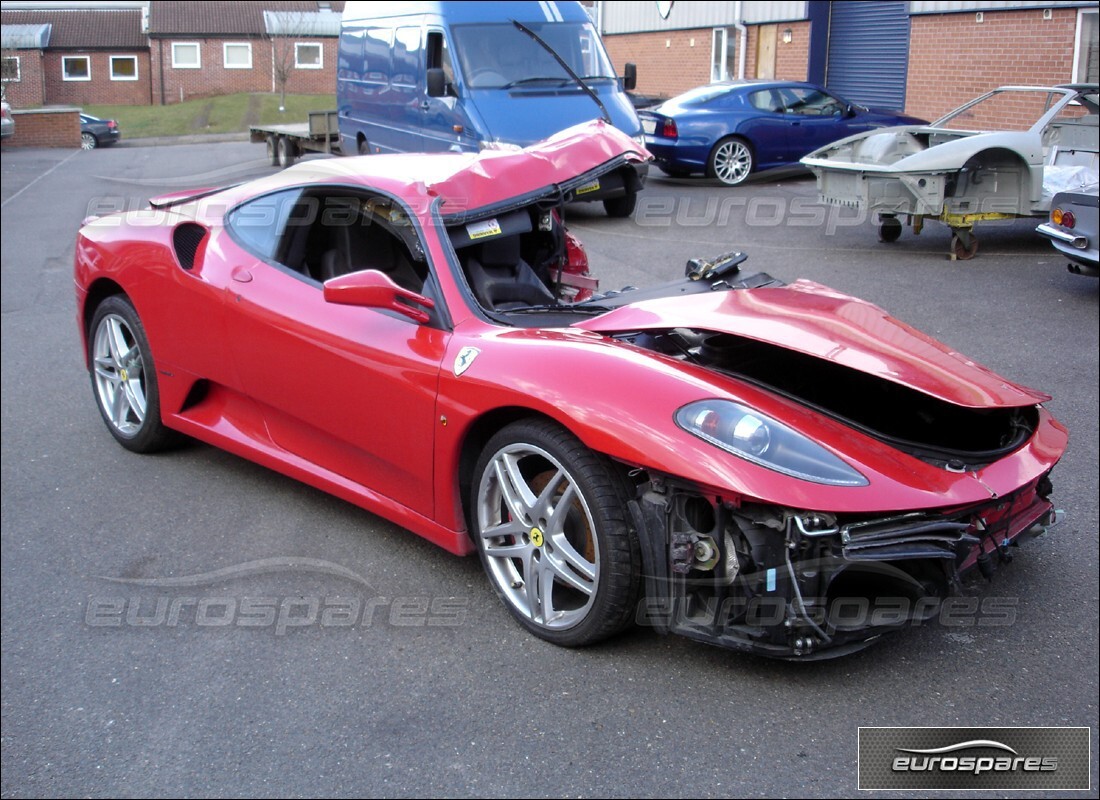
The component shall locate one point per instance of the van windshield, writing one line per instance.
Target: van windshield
(502, 56)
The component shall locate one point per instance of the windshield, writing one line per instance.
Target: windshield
(1009, 110)
(500, 55)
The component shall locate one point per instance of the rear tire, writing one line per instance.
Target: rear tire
(287, 152)
(88, 141)
(621, 206)
(273, 150)
(731, 161)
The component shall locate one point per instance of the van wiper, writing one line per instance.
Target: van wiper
(523, 81)
(595, 97)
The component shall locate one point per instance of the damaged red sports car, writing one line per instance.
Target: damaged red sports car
(777, 468)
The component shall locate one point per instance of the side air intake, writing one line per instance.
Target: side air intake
(186, 239)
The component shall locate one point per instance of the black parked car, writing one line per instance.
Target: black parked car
(96, 132)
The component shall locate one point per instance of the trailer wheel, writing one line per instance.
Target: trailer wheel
(287, 151)
(273, 149)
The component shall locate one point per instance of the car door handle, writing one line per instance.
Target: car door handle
(241, 274)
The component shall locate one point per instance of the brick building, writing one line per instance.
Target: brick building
(923, 57)
(163, 51)
(75, 56)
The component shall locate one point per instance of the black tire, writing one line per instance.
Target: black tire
(88, 141)
(570, 575)
(273, 149)
(621, 206)
(731, 161)
(124, 378)
(287, 152)
(889, 229)
(364, 147)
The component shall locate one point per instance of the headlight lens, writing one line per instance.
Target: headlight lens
(762, 440)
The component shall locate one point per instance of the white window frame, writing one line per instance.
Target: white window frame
(177, 64)
(225, 55)
(18, 70)
(723, 68)
(65, 72)
(1079, 43)
(111, 63)
(320, 52)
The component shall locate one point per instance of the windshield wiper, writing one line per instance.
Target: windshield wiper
(560, 309)
(523, 81)
(580, 81)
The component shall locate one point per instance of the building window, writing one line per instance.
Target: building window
(185, 55)
(124, 68)
(722, 55)
(237, 55)
(308, 55)
(76, 68)
(1086, 68)
(9, 72)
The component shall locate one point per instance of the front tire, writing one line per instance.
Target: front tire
(731, 161)
(550, 521)
(124, 377)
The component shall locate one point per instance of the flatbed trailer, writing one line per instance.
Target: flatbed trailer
(286, 143)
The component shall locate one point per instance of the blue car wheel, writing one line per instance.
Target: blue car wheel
(730, 161)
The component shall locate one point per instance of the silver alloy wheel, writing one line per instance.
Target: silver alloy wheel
(732, 162)
(119, 375)
(88, 141)
(538, 540)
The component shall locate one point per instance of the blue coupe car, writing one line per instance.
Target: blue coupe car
(730, 130)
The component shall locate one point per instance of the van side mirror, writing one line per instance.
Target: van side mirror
(630, 77)
(437, 82)
(373, 289)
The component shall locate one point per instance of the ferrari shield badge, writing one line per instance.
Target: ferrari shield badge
(464, 359)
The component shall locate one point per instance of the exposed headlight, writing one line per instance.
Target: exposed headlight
(762, 440)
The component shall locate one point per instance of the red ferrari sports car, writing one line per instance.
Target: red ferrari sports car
(777, 468)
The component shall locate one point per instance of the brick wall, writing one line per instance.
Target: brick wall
(667, 62)
(46, 127)
(792, 60)
(953, 58)
(30, 89)
(100, 90)
(213, 78)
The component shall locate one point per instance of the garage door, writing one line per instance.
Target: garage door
(869, 52)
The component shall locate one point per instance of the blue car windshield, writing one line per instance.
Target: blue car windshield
(502, 56)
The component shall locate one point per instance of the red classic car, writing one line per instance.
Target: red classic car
(777, 468)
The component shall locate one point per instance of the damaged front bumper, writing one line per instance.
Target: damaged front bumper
(794, 584)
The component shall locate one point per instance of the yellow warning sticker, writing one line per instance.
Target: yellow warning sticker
(487, 227)
(591, 186)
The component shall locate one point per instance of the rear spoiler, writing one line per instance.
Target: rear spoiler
(177, 198)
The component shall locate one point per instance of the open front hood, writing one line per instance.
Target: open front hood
(814, 320)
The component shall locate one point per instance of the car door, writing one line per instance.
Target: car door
(815, 118)
(765, 126)
(346, 388)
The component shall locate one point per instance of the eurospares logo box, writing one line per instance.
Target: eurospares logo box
(974, 758)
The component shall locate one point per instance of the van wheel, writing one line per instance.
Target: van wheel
(621, 206)
(364, 147)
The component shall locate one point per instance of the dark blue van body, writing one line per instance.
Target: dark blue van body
(501, 88)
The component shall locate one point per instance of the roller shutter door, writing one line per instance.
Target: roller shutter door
(869, 52)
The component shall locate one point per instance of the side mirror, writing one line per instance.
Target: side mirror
(373, 289)
(437, 82)
(630, 77)
(850, 110)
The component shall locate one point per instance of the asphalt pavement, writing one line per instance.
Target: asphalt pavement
(291, 644)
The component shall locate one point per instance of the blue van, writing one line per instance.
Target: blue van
(470, 76)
